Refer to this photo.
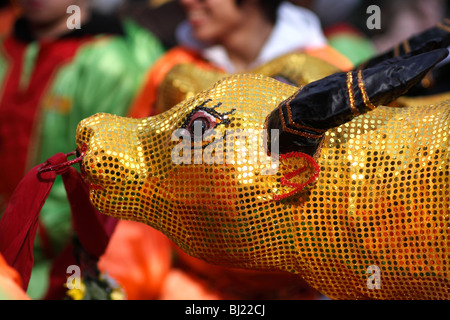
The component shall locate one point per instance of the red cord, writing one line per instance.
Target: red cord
(60, 167)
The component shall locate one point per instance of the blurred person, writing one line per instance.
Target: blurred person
(400, 19)
(404, 18)
(161, 18)
(333, 12)
(52, 77)
(107, 6)
(236, 36)
(341, 33)
(8, 14)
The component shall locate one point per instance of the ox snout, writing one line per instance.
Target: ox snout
(113, 154)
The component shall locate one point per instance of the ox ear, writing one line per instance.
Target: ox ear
(303, 118)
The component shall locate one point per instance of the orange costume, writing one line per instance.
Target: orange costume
(10, 283)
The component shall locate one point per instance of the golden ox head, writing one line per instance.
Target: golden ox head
(207, 175)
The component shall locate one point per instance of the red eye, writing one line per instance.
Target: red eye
(200, 122)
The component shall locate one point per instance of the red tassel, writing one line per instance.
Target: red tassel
(19, 222)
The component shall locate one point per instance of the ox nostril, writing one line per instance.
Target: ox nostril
(80, 153)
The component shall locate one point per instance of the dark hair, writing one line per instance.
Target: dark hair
(269, 8)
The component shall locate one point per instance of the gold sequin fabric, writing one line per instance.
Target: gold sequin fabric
(378, 209)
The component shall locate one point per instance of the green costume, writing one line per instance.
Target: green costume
(47, 87)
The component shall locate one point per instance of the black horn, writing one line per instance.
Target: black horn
(303, 118)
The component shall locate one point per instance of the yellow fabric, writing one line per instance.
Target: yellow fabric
(421, 100)
(381, 199)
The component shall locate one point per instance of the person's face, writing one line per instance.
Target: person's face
(42, 12)
(212, 20)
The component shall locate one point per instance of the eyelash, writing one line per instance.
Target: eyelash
(210, 112)
(207, 114)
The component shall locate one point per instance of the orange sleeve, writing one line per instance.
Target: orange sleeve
(10, 282)
(144, 103)
(138, 257)
(332, 56)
